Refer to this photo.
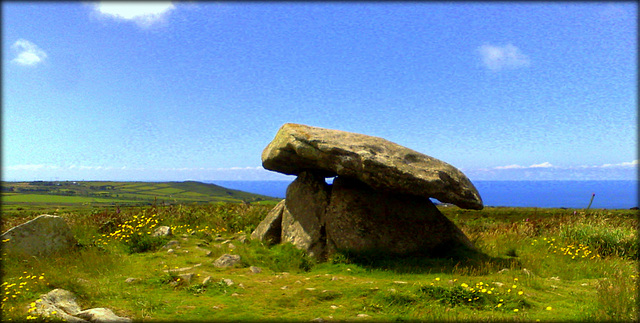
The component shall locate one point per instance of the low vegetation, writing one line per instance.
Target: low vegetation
(539, 265)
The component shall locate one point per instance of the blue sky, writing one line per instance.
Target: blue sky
(196, 91)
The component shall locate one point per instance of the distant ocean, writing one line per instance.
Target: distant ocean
(616, 194)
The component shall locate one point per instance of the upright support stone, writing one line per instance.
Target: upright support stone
(42, 236)
(270, 229)
(302, 221)
(360, 219)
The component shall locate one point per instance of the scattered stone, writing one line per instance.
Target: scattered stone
(379, 163)
(503, 270)
(101, 315)
(499, 284)
(42, 236)
(231, 246)
(226, 260)
(363, 315)
(162, 231)
(255, 270)
(310, 289)
(171, 244)
(131, 280)
(242, 239)
(61, 304)
(318, 319)
(171, 251)
(235, 295)
(399, 282)
(284, 287)
(206, 281)
(186, 277)
(555, 278)
(209, 253)
(333, 307)
(227, 281)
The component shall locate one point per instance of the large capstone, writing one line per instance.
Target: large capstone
(377, 162)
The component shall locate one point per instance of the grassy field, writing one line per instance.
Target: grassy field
(537, 264)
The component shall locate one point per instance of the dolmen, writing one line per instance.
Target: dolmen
(378, 202)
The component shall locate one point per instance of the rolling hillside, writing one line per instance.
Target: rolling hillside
(24, 195)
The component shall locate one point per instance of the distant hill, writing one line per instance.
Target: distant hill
(75, 193)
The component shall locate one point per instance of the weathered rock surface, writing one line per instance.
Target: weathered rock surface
(42, 236)
(381, 164)
(226, 260)
(162, 231)
(61, 304)
(270, 229)
(302, 219)
(101, 315)
(360, 219)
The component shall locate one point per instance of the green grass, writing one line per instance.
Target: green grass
(42, 198)
(533, 269)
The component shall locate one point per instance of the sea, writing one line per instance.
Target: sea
(609, 194)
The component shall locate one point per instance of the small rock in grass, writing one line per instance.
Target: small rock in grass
(227, 281)
(363, 315)
(101, 315)
(255, 270)
(186, 277)
(130, 280)
(206, 281)
(171, 251)
(170, 244)
(162, 231)
(226, 260)
(317, 319)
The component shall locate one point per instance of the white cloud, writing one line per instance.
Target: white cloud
(144, 14)
(543, 165)
(496, 58)
(623, 164)
(514, 166)
(29, 54)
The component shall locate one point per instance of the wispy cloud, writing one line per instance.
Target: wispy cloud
(623, 164)
(497, 58)
(633, 163)
(28, 53)
(144, 14)
(514, 166)
(542, 165)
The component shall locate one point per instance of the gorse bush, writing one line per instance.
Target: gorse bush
(603, 238)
